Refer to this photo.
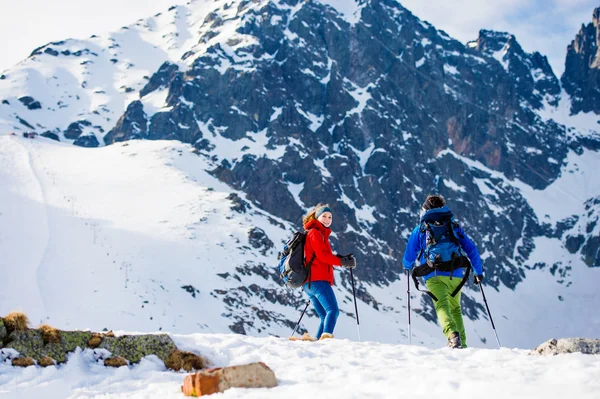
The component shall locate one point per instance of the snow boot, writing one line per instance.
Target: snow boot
(326, 336)
(454, 341)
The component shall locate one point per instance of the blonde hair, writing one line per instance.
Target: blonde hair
(312, 215)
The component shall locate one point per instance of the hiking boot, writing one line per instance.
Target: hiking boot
(454, 341)
(305, 337)
(325, 336)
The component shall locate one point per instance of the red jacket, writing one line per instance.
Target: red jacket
(317, 242)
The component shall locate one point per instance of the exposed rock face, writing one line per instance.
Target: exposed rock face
(75, 129)
(160, 79)
(89, 141)
(582, 68)
(259, 240)
(50, 135)
(30, 103)
(133, 124)
(568, 345)
(531, 74)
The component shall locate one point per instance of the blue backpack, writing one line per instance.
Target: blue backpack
(442, 251)
(292, 266)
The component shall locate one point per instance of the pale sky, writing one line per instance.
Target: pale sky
(547, 26)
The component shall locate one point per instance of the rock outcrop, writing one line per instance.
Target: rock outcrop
(32, 343)
(568, 345)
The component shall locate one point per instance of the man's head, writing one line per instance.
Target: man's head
(433, 201)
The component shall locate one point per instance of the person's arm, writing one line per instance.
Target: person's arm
(412, 249)
(471, 250)
(321, 250)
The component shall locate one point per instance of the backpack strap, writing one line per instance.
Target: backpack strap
(464, 280)
(425, 291)
(451, 233)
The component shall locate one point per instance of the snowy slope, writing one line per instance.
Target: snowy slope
(334, 368)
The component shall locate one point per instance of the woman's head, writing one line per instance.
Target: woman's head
(322, 213)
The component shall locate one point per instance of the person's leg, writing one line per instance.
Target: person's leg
(328, 301)
(456, 312)
(317, 305)
(439, 287)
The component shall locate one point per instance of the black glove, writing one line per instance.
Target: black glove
(343, 256)
(348, 261)
(478, 279)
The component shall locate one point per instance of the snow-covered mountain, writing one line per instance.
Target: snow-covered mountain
(283, 104)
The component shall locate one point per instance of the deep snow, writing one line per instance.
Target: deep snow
(333, 368)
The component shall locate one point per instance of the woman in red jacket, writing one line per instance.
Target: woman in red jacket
(320, 280)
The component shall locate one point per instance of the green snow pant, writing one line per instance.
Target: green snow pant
(448, 308)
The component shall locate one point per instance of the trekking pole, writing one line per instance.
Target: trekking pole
(489, 314)
(355, 306)
(300, 319)
(408, 294)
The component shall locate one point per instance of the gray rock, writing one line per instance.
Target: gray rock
(30, 343)
(568, 345)
(135, 347)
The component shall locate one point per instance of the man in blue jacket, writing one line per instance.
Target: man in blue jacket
(440, 249)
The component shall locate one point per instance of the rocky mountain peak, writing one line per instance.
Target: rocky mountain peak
(581, 78)
(490, 42)
(531, 72)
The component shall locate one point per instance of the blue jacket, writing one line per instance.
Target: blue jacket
(417, 242)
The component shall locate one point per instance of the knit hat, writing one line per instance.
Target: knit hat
(322, 210)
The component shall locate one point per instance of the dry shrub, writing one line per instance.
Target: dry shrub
(50, 334)
(115, 362)
(185, 360)
(95, 340)
(110, 334)
(16, 321)
(46, 361)
(23, 362)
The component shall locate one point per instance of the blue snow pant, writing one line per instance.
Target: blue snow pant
(323, 299)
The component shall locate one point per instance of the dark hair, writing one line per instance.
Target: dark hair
(433, 201)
